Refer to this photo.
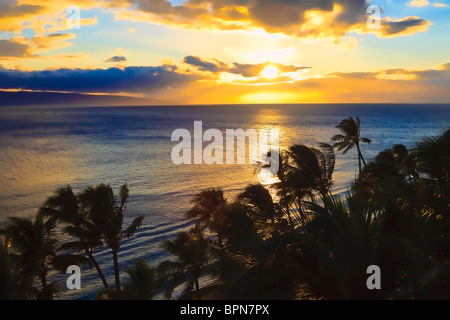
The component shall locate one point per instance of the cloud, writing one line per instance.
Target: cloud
(418, 3)
(47, 17)
(165, 83)
(10, 8)
(20, 47)
(13, 48)
(405, 86)
(51, 41)
(404, 26)
(245, 70)
(204, 65)
(116, 59)
(388, 86)
(128, 79)
(306, 18)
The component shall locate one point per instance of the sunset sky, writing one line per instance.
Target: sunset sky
(229, 51)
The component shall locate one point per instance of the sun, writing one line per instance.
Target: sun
(270, 72)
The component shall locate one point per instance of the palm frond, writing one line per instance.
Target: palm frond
(129, 232)
(365, 140)
(61, 262)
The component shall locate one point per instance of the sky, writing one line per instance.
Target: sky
(229, 51)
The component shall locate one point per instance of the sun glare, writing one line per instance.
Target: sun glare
(270, 72)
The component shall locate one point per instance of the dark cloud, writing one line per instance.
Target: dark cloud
(246, 70)
(26, 48)
(203, 65)
(129, 79)
(10, 8)
(13, 49)
(116, 59)
(283, 13)
(403, 25)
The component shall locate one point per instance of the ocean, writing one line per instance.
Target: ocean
(44, 148)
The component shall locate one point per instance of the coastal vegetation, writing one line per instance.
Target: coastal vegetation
(294, 239)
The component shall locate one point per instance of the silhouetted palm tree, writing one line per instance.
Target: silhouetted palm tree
(9, 278)
(255, 265)
(326, 161)
(205, 204)
(32, 247)
(260, 201)
(406, 161)
(191, 252)
(380, 181)
(141, 285)
(305, 170)
(433, 156)
(64, 206)
(106, 213)
(335, 251)
(350, 138)
(301, 169)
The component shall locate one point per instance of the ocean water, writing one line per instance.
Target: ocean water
(42, 149)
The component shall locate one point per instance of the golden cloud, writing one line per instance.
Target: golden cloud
(44, 18)
(308, 18)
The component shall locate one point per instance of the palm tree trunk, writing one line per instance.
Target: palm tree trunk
(196, 276)
(360, 158)
(360, 155)
(359, 164)
(43, 278)
(289, 214)
(116, 269)
(197, 285)
(97, 267)
(219, 239)
(43, 281)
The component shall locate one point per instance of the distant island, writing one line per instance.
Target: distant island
(34, 98)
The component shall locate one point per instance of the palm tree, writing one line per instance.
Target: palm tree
(335, 250)
(64, 206)
(256, 264)
(32, 246)
(433, 156)
(191, 251)
(406, 160)
(350, 138)
(300, 172)
(106, 213)
(260, 201)
(326, 160)
(305, 170)
(9, 278)
(141, 285)
(206, 205)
